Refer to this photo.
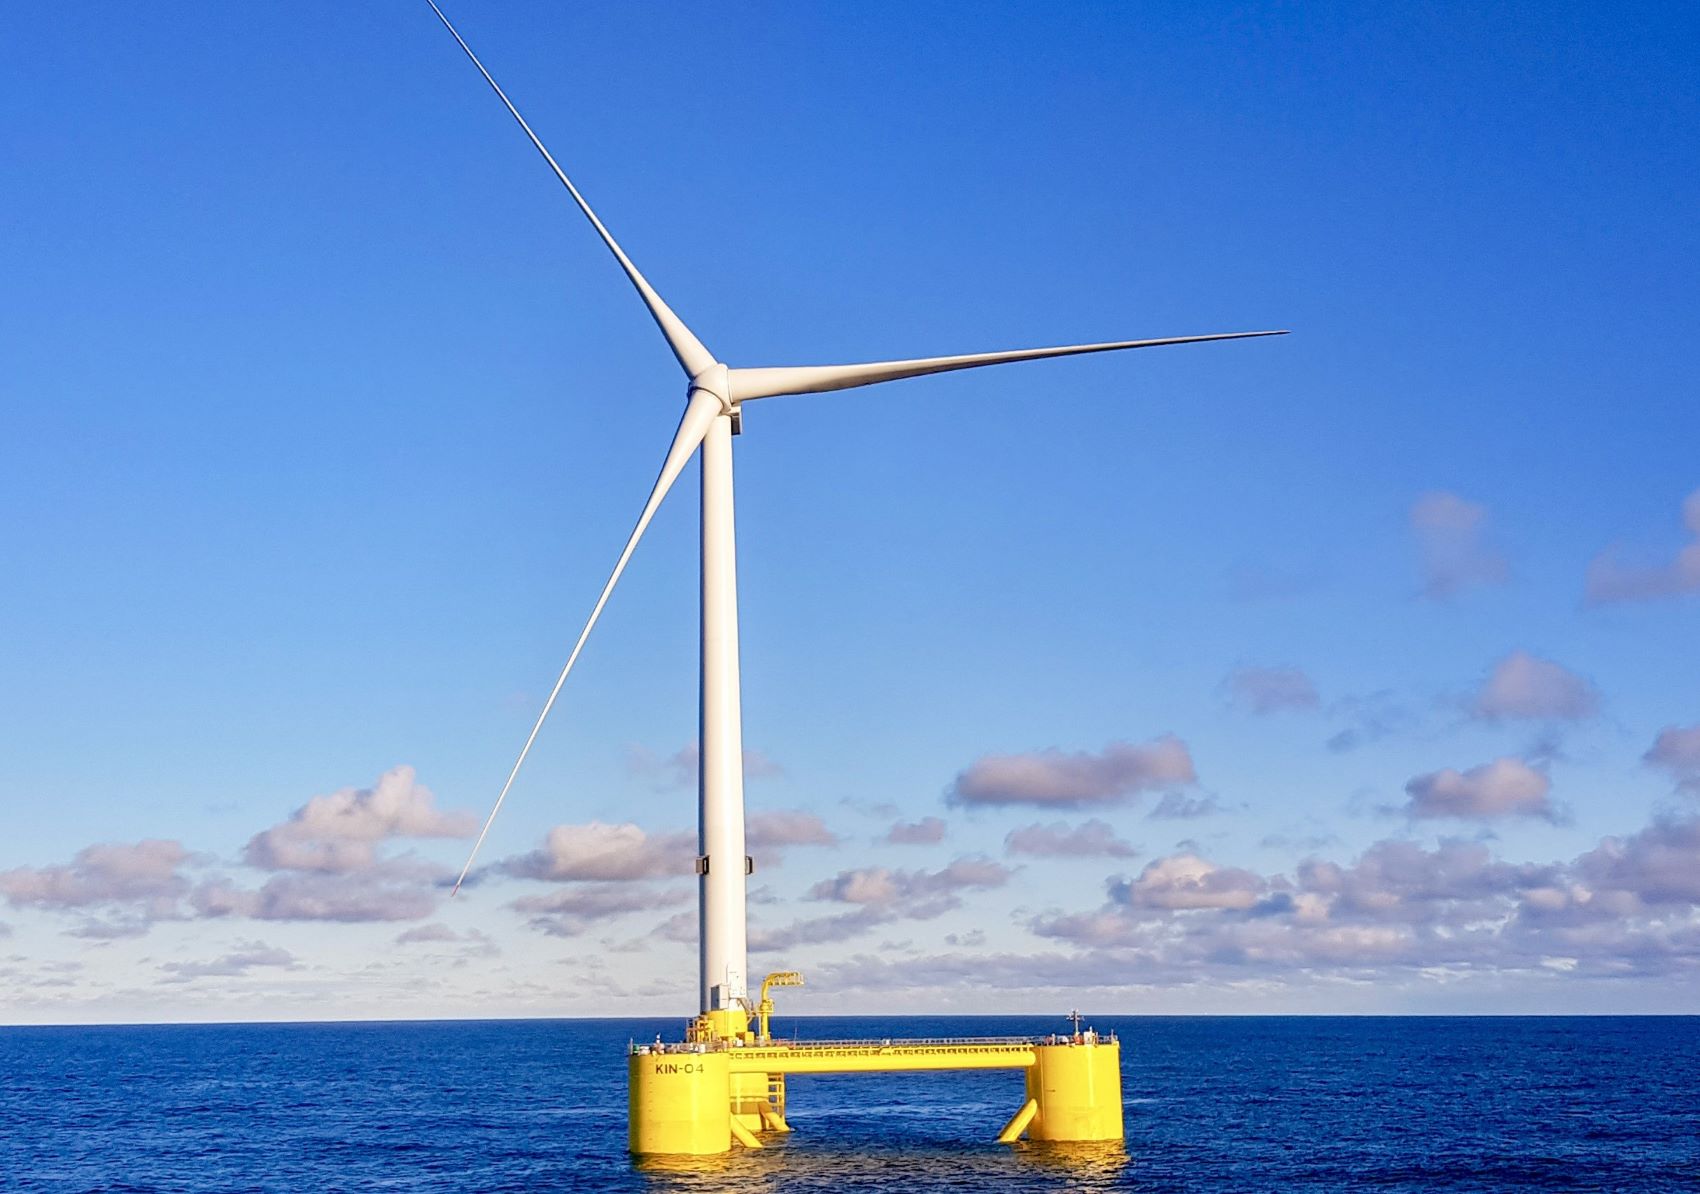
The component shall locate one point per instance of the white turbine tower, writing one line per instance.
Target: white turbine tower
(714, 394)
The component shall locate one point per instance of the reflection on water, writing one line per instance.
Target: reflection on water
(1089, 1165)
(791, 1163)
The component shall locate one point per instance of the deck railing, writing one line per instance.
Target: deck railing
(895, 1042)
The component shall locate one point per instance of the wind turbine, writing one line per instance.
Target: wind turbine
(714, 394)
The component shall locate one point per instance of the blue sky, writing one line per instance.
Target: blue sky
(324, 414)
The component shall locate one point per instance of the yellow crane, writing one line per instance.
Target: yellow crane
(764, 1008)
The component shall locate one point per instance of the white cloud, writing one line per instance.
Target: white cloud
(928, 831)
(1522, 686)
(427, 933)
(881, 895)
(573, 910)
(1264, 690)
(1089, 839)
(1628, 907)
(815, 930)
(1178, 806)
(1452, 540)
(246, 957)
(1404, 882)
(1183, 881)
(888, 887)
(114, 927)
(324, 853)
(605, 853)
(1369, 718)
(144, 873)
(1051, 778)
(1609, 579)
(473, 943)
(120, 889)
(1506, 787)
(340, 832)
(620, 853)
(1677, 750)
(681, 928)
(1659, 867)
(986, 977)
(778, 828)
(393, 893)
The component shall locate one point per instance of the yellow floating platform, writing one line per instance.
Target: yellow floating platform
(727, 1084)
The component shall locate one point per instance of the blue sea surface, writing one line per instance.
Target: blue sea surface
(1213, 1104)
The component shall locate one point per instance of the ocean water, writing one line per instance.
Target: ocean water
(1294, 1104)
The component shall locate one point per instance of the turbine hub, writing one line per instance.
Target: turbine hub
(714, 380)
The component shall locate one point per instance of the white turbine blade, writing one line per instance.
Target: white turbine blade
(699, 415)
(690, 351)
(815, 379)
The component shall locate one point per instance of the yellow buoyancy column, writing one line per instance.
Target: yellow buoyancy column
(680, 1103)
(1078, 1089)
